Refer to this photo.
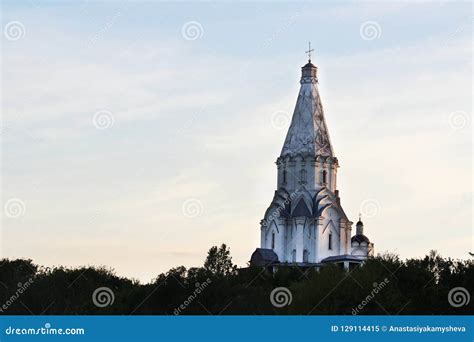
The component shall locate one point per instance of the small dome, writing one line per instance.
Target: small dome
(359, 223)
(360, 238)
(309, 65)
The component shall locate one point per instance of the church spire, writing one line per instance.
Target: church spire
(308, 134)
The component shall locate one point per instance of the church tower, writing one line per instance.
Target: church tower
(361, 245)
(305, 222)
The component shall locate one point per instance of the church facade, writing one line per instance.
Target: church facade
(305, 223)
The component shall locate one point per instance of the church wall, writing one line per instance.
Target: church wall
(300, 223)
(312, 174)
(329, 168)
(280, 169)
(358, 250)
(291, 168)
(330, 225)
(290, 242)
(295, 234)
(276, 230)
(332, 173)
(345, 237)
(310, 241)
(290, 176)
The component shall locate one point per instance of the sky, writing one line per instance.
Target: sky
(137, 135)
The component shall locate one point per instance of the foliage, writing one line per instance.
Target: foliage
(219, 262)
(413, 286)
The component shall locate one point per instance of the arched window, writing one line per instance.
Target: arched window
(330, 241)
(293, 255)
(273, 240)
(305, 255)
(284, 176)
(324, 176)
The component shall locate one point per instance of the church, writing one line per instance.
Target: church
(305, 224)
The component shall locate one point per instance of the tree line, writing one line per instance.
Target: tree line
(384, 284)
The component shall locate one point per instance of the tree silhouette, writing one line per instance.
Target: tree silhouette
(219, 262)
(413, 286)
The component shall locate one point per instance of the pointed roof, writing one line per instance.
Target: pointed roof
(308, 133)
(301, 209)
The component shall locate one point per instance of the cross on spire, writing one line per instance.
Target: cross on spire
(309, 52)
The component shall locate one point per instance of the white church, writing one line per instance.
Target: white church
(305, 223)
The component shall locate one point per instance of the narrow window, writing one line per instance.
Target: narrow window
(305, 255)
(273, 240)
(324, 176)
(294, 255)
(303, 176)
(330, 241)
(284, 176)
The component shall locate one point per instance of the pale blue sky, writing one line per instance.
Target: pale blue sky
(192, 119)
